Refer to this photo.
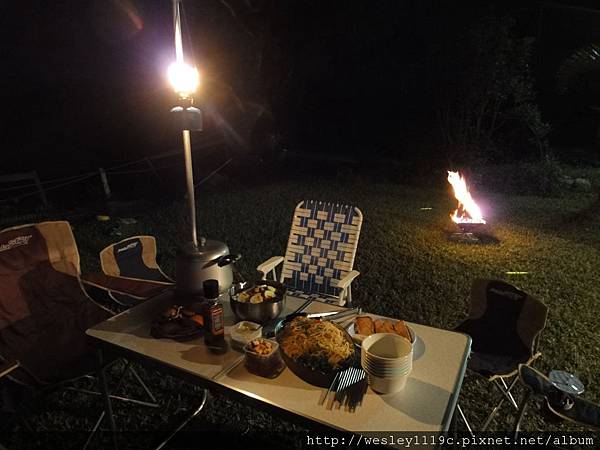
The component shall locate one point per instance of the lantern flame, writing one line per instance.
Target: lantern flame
(468, 211)
(184, 78)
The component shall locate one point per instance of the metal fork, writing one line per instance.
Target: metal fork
(354, 388)
(349, 388)
(340, 392)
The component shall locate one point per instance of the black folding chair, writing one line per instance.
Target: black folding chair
(130, 272)
(44, 313)
(504, 324)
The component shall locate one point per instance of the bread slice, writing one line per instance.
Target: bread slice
(401, 329)
(379, 326)
(364, 325)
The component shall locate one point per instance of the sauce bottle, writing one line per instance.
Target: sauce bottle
(214, 320)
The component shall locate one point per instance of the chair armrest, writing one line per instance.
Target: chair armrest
(7, 367)
(345, 282)
(128, 286)
(269, 265)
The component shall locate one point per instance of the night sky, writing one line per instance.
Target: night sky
(84, 81)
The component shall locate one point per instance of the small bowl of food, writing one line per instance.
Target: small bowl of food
(263, 358)
(243, 332)
(260, 303)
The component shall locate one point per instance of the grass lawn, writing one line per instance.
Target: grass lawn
(408, 270)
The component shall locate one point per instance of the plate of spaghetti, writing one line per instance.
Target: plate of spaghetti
(315, 350)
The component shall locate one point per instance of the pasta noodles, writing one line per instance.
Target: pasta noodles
(310, 340)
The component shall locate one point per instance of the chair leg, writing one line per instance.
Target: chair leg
(128, 368)
(144, 386)
(521, 414)
(492, 414)
(464, 419)
(186, 421)
(116, 397)
(508, 393)
(505, 395)
(93, 432)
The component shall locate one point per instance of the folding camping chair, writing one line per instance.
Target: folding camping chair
(505, 325)
(563, 405)
(44, 311)
(130, 271)
(320, 252)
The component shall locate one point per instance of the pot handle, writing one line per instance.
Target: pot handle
(228, 259)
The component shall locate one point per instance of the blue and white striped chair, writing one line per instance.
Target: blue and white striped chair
(320, 254)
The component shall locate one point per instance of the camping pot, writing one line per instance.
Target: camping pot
(209, 261)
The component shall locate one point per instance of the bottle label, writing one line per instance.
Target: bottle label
(217, 320)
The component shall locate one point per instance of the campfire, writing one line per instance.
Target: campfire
(468, 212)
(468, 223)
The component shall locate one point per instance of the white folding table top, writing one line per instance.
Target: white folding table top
(425, 405)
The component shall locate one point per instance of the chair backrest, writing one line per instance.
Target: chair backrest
(24, 247)
(321, 246)
(505, 318)
(44, 310)
(46, 241)
(134, 257)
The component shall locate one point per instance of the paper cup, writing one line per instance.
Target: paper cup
(387, 360)
(387, 349)
(386, 373)
(387, 385)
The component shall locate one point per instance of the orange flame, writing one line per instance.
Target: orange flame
(467, 211)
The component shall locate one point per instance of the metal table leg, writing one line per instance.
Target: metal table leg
(186, 421)
(107, 401)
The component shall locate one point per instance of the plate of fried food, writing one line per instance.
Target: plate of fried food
(178, 322)
(364, 326)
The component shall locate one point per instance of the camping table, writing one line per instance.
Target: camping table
(426, 404)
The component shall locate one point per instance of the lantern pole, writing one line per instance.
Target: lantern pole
(189, 175)
(185, 79)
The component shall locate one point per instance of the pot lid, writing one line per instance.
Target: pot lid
(209, 251)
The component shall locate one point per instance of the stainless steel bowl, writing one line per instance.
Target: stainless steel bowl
(260, 312)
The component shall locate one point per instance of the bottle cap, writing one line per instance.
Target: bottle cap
(211, 288)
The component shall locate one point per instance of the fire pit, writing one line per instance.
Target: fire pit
(468, 225)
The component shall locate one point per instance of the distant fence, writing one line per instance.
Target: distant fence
(28, 184)
(32, 177)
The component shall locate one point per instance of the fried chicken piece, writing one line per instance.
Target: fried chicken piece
(364, 325)
(401, 329)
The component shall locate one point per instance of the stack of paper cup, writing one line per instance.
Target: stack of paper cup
(387, 360)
